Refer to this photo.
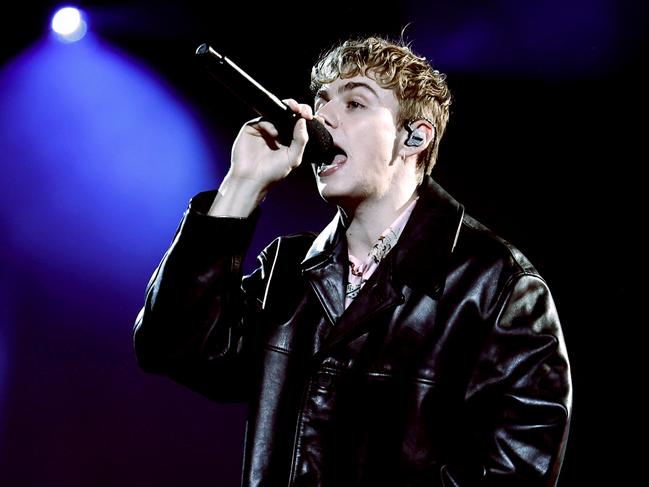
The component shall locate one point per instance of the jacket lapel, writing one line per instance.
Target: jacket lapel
(422, 255)
(419, 261)
(325, 266)
(378, 294)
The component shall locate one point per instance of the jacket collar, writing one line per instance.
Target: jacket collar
(326, 265)
(419, 260)
(328, 242)
(421, 257)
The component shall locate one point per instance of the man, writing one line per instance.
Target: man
(405, 345)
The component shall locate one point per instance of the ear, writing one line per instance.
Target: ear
(416, 136)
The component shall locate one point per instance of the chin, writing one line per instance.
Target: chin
(328, 195)
(342, 191)
(343, 199)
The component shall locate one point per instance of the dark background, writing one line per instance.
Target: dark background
(545, 145)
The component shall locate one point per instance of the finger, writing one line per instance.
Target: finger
(300, 139)
(302, 109)
(292, 104)
(253, 121)
(263, 127)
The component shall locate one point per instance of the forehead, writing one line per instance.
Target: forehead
(362, 83)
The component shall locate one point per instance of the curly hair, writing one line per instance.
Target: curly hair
(422, 91)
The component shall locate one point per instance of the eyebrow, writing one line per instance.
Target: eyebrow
(349, 86)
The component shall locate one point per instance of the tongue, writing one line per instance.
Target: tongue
(338, 159)
(325, 169)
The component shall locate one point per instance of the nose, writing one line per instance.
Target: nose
(327, 114)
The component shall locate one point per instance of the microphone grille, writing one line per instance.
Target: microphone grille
(320, 148)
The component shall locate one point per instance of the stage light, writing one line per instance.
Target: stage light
(112, 137)
(69, 25)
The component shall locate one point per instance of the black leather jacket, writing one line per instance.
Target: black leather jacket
(448, 369)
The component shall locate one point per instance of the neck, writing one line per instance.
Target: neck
(370, 218)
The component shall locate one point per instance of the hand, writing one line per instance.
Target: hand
(258, 156)
(259, 161)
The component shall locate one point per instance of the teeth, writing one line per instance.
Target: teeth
(323, 167)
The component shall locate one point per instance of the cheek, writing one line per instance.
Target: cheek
(376, 140)
(381, 149)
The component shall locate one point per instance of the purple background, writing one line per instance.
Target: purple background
(103, 142)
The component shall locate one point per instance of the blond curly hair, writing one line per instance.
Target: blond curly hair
(422, 91)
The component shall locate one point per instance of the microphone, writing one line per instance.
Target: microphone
(320, 147)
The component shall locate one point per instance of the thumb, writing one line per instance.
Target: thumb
(300, 139)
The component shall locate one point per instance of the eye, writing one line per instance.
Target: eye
(354, 105)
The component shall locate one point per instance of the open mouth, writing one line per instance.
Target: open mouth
(339, 159)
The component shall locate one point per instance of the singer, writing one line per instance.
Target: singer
(405, 345)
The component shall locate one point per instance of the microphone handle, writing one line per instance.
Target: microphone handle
(266, 104)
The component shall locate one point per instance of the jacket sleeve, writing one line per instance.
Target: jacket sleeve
(520, 395)
(197, 325)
